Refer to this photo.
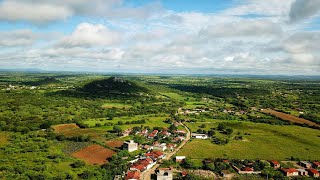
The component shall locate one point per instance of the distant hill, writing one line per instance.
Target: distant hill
(113, 85)
(47, 81)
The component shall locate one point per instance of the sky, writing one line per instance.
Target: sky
(262, 37)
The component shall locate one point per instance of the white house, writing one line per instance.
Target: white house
(130, 146)
(199, 136)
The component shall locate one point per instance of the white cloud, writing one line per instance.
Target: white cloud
(14, 10)
(45, 11)
(89, 35)
(304, 9)
(16, 38)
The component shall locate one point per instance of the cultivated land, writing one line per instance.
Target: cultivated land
(94, 154)
(264, 142)
(288, 117)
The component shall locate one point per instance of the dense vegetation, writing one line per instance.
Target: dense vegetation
(104, 106)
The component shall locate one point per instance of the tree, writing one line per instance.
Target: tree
(202, 126)
(211, 133)
(221, 127)
(172, 127)
(229, 131)
(117, 129)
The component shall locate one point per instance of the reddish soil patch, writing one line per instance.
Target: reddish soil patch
(94, 154)
(114, 143)
(288, 117)
(61, 128)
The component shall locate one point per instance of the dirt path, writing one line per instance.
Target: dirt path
(146, 175)
(288, 117)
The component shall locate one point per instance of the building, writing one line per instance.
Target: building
(290, 172)
(135, 175)
(316, 164)
(199, 136)
(130, 146)
(302, 172)
(313, 173)
(147, 147)
(305, 164)
(171, 146)
(164, 174)
(160, 147)
(180, 158)
(153, 134)
(275, 164)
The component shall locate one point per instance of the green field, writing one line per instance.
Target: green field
(150, 121)
(264, 142)
(3, 138)
(115, 105)
(175, 96)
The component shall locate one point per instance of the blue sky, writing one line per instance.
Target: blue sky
(168, 36)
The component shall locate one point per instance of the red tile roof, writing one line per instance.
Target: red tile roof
(247, 169)
(275, 162)
(133, 175)
(289, 170)
(316, 163)
(313, 171)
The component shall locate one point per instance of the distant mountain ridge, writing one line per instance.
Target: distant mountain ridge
(113, 85)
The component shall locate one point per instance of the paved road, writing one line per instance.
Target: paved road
(147, 174)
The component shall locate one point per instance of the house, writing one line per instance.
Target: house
(178, 139)
(171, 146)
(313, 173)
(184, 173)
(137, 167)
(180, 158)
(275, 164)
(155, 155)
(143, 132)
(180, 132)
(164, 174)
(135, 175)
(127, 132)
(153, 134)
(165, 134)
(147, 147)
(302, 172)
(316, 164)
(130, 146)
(199, 136)
(305, 164)
(160, 147)
(290, 172)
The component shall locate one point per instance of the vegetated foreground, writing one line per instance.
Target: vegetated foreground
(260, 141)
(289, 117)
(94, 154)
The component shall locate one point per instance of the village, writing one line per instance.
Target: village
(149, 165)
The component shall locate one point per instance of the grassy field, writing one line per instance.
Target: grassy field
(263, 141)
(3, 138)
(116, 105)
(150, 121)
(175, 96)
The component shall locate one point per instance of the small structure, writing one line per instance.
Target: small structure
(302, 172)
(147, 147)
(305, 164)
(171, 146)
(226, 174)
(199, 136)
(135, 175)
(316, 164)
(313, 173)
(153, 134)
(290, 172)
(180, 158)
(164, 174)
(160, 147)
(117, 177)
(275, 164)
(130, 146)
(184, 173)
